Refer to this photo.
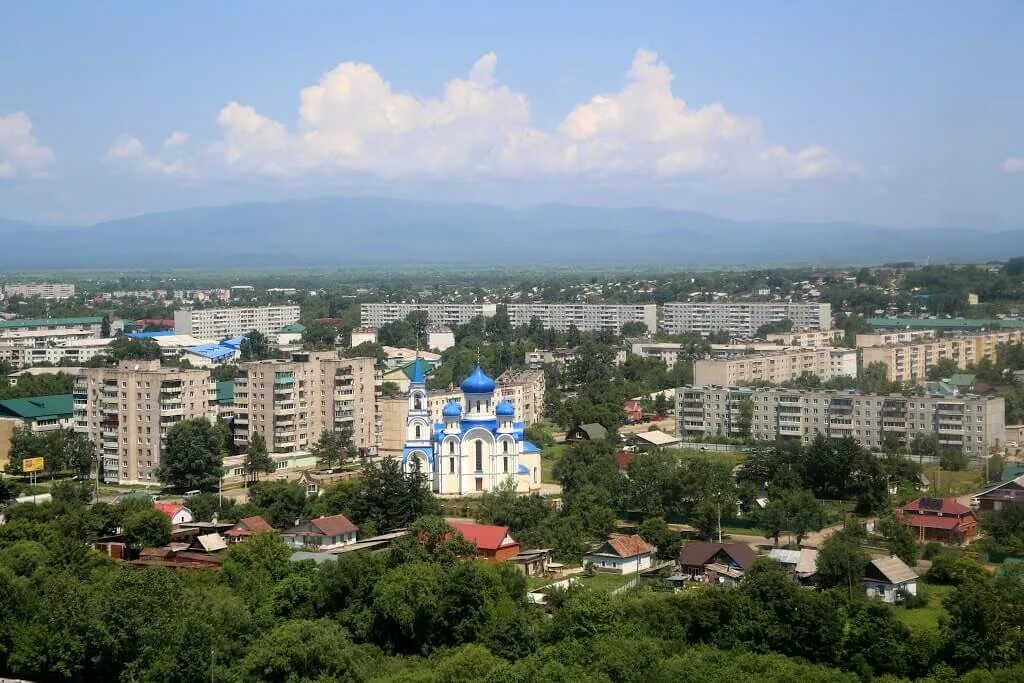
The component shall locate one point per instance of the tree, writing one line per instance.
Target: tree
(942, 369)
(773, 519)
(899, 539)
(280, 502)
(128, 348)
(634, 329)
(321, 650)
(841, 561)
(333, 447)
(655, 531)
(147, 528)
(746, 418)
(191, 459)
(257, 459)
(255, 346)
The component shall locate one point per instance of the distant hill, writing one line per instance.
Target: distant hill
(373, 231)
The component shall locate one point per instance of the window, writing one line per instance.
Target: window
(451, 465)
(451, 447)
(504, 464)
(479, 445)
(417, 431)
(504, 446)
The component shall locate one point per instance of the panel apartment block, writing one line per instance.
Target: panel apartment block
(43, 290)
(291, 402)
(377, 314)
(971, 423)
(910, 362)
(221, 323)
(775, 366)
(585, 317)
(126, 411)
(742, 319)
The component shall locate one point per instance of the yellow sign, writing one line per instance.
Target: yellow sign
(32, 465)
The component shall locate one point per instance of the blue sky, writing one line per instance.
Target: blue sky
(907, 113)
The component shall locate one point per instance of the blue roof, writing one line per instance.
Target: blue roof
(150, 335)
(530, 447)
(212, 351)
(505, 409)
(233, 342)
(478, 382)
(452, 409)
(523, 469)
(419, 372)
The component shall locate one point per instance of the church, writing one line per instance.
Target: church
(478, 446)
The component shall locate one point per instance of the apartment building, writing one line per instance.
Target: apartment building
(883, 338)
(377, 314)
(775, 366)
(585, 317)
(968, 422)
(807, 338)
(127, 410)
(537, 359)
(742, 319)
(24, 331)
(43, 290)
(221, 323)
(70, 352)
(910, 362)
(291, 402)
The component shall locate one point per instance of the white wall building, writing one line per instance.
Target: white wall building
(585, 317)
(43, 290)
(377, 314)
(221, 323)
(742, 319)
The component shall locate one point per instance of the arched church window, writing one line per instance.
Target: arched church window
(478, 406)
(417, 431)
(451, 447)
(504, 464)
(479, 456)
(504, 446)
(451, 465)
(417, 403)
(534, 475)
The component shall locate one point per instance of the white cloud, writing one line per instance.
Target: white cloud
(130, 152)
(20, 152)
(175, 140)
(354, 120)
(1013, 165)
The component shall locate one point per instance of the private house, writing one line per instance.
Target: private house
(621, 555)
(803, 563)
(940, 519)
(886, 578)
(532, 562)
(314, 482)
(324, 533)
(492, 542)
(246, 527)
(587, 432)
(720, 563)
(207, 543)
(176, 512)
(623, 460)
(656, 439)
(634, 411)
(1001, 495)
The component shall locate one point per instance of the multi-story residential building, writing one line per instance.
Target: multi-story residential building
(537, 359)
(43, 290)
(127, 410)
(23, 331)
(910, 362)
(221, 323)
(585, 317)
(38, 413)
(72, 351)
(364, 335)
(377, 314)
(968, 422)
(776, 367)
(291, 402)
(742, 319)
(807, 338)
(525, 389)
(883, 338)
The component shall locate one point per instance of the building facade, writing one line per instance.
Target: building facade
(221, 323)
(884, 338)
(811, 338)
(973, 424)
(127, 410)
(741, 319)
(477, 446)
(775, 367)
(377, 314)
(585, 317)
(910, 362)
(291, 402)
(43, 290)
(524, 389)
(48, 330)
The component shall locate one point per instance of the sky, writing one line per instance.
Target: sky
(897, 113)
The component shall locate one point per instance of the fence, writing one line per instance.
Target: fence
(712, 447)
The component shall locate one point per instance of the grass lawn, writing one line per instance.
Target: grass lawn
(605, 582)
(535, 582)
(733, 458)
(925, 618)
(946, 483)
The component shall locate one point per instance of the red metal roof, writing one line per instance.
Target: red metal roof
(630, 546)
(948, 507)
(169, 509)
(334, 525)
(623, 458)
(247, 526)
(484, 536)
(932, 521)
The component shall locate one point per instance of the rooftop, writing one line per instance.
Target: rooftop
(484, 536)
(37, 407)
(48, 322)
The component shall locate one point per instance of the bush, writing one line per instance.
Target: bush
(911, 601)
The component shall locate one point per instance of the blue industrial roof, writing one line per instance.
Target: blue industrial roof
(214, 352)
(233, 342)
(150, 335)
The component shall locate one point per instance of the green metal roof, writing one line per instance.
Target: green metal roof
(296, 328)
(226, 392)
(410, 368)
(38, 407)
(944, 323)
(47, 322)
(962, 379)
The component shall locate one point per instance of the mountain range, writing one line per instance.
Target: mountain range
(377, 231)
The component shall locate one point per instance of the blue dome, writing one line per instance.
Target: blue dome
(452, 409)
(478, 382)
(505, 409)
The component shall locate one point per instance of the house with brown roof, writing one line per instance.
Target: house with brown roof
(246, 527)
(888, 579)
(324, 533)
(719, 563)
(621, 555)
(940, 519)
(1001, 495)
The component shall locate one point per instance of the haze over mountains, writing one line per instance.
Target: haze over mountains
(376, 231)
